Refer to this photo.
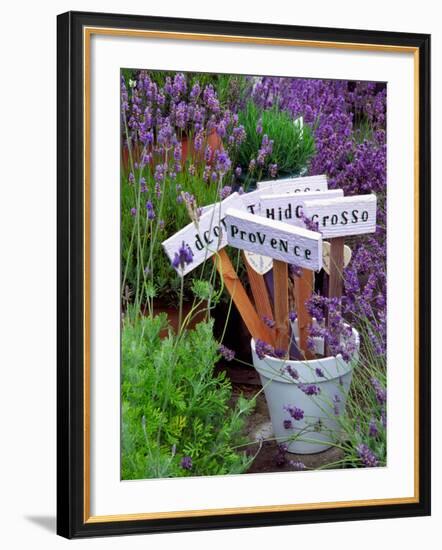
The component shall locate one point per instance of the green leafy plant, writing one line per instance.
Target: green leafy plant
(293, 143)
(177, 413)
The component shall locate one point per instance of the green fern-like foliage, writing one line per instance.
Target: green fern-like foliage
(175, 406)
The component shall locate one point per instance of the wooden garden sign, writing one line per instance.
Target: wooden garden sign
(207, 238)
(277, 234)
(285, 244)
(278, 240)
(287, 207)
(338, 218)
(295, 185)
(204, 237)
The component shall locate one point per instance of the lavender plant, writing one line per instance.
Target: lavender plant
(177, 139)
(189, 140)
(177, 418)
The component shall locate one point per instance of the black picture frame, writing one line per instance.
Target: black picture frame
(71, 498)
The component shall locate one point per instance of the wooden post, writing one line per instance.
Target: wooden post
(281, 293)
(336, 267)
(254, 324)
(303, 287)
(259, 291)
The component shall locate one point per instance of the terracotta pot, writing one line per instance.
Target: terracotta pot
(187, 147)
(172, 313)
(187, 151)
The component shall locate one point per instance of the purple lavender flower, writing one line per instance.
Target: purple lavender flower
(198, 141)
(292, 316)
(367, 456)
(186, 463)
(262, 349)
(310, 389)
(225, 192)
(227, 353)
(183, 257)
(279, 353)
(381, 394)
(287, 424)
(222, 162)
(295, 412)
(124, 96)
(273, 170)
(177, 152)
(160, 172)
(150, 210)
(373, 428)
(265, 150)
(239, 135)
(210, 98)
(291, 371)
(195, 91)
(133, 211)
(166, 135)
(131, 178)
(268, 322)
(319, 372)
(280, 457)
(238, 171)
(309, 224)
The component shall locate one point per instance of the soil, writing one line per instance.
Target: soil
(259, 427)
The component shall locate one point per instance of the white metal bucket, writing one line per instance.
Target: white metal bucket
(318, 428)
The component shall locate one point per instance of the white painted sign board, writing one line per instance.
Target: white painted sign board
(278, 240)
(307, 184)
(344, 216)
(204, 238)
(288, 207)
(249, 200)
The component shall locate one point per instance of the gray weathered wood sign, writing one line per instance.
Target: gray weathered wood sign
(278, 240)
(343, 216)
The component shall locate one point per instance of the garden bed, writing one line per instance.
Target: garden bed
(191, 144)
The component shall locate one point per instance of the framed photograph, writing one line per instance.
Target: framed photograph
(243, 274)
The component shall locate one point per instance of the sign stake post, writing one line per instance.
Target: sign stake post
(281, 292)
(303, 287)
(284, 243)
(260, 294)
(254, 324)
(336, 219)
(336, 267)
